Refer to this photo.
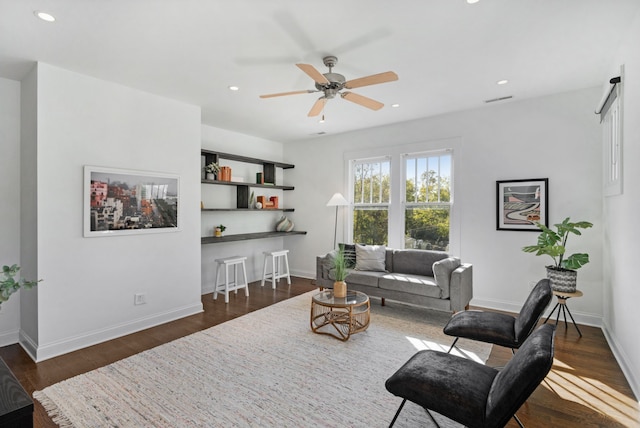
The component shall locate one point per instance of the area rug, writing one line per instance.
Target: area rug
(264, 369)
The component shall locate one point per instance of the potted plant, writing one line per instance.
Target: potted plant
(562, 273)
(340, 272)
(8, 284)
(212, 169)
(219, 229)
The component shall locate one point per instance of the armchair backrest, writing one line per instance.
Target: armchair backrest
(521, 376)
(532, 310)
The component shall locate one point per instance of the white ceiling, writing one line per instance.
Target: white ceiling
(448, 54)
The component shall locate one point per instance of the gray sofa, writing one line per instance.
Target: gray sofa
(432, 279)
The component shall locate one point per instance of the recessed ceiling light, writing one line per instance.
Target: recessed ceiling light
(395, 105)
(234, 88)
(502, 82)
(472, 1)
(44, 16)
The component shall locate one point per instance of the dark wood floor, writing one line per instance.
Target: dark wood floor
(585, 388)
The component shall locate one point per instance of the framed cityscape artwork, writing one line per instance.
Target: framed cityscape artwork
(521, 204)
(122, 202)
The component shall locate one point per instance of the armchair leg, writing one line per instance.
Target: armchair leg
(453, 344)
(393, 421)
(432, 418)
(518, 421)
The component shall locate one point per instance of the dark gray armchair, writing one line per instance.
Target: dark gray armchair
(471, 393)
(498, 328)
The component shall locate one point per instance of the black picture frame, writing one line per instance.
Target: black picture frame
(521, 204)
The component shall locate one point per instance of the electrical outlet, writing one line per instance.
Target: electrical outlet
(140, 298)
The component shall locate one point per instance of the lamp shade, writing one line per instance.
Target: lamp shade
(337, 200)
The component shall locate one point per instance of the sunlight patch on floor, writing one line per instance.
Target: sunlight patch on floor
(589, 392)
(421, 344)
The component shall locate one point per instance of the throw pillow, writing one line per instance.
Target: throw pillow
(370, 257)
(349, 254)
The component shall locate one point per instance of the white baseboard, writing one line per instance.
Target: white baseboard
(41, 352)
(501, 305)
(9, 338)
(622, 359)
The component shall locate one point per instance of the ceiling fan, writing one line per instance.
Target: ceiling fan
(330, 84)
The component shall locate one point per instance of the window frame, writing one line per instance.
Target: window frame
(396, 208)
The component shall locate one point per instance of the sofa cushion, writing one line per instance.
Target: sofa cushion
(412, 284)
(363, 277)
(442, 272)
(416, 262)
(370, 257)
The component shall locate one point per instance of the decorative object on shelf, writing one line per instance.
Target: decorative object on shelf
(284, 224)
(337, 200)
(212, 169)
(258, 205)
(339, 265)
(562, 273)
(522, 204)
(259, 178)
(9, 285)
(225, 173)
(217, 232)
(252, 200)
(270, 203)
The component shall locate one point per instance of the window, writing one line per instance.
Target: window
(371, 197)
(427, 208)
(404, 199)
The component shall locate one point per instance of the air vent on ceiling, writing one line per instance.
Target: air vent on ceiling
(493, 100)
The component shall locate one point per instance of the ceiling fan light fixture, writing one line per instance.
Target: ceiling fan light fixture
(322, 119)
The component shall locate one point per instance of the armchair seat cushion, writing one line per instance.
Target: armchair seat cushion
(441, 382)
(489, 327)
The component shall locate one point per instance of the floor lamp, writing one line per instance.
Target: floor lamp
(337, 200)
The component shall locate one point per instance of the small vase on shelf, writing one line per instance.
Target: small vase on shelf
(211, 176)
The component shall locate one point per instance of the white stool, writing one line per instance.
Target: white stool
(277, 257)
(226, 286)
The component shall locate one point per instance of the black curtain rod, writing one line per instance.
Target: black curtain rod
(613, 81)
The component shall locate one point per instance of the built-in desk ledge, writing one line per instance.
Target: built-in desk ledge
(248, 236)
(249, 209)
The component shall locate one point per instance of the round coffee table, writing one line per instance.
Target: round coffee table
(339, 317)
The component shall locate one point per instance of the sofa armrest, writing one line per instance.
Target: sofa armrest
(322, 270)
(461, 287)
(442, 271)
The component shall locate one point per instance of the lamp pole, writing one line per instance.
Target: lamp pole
(337, 200)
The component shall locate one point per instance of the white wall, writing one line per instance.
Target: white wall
(556, 137)
(215, 196)
(10, 205)
(621, 234)
(89, 283)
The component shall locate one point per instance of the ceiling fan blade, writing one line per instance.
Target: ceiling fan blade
(374, 79)
(317, 107)
(363, 101)
(312, 72)
(282, 94)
